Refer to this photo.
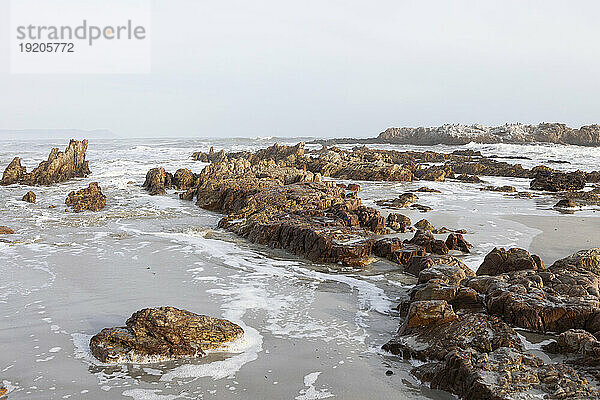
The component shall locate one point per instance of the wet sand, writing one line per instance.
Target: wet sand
(561, 235)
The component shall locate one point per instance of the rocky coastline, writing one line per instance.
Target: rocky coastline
(459, 324)
(458, 134)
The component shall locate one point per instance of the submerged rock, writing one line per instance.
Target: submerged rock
(565, 203)
(5, 230)
(90, 198)
(164, 333)
(29, 197)
(59, 167)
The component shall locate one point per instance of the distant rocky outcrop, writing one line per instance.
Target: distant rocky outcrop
(90, 198)
(509, 133)
(59, 167)
(163, 333)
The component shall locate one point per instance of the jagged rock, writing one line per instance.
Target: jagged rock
(477, 356)
(558, 181)
(59, 167)
(5, 230)
(424, 225)
(29, 197)
(456, 241)
(500, 261)
(164, 333)
(426, 240)
(565, 203)
(398, 222)
(90, 198)
(156, 181)
(183, 179)
(285, 207)
(13, 173)
(555, 299)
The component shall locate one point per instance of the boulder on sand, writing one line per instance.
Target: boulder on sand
(163, 333)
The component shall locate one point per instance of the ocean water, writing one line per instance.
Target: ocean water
(313, 331)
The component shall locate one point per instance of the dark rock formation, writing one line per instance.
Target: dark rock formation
(426, 240)
(500, 261)
(565, 203)
(558, 181)
(456, 241)
(59, 167)
(90, 198)
(29, 197)
(478, 356)
(164, 333)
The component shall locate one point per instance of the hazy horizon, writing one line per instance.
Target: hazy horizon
(335, 69)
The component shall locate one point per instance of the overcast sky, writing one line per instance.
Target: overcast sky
(330, 68)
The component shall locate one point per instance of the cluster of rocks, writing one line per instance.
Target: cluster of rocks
(59, 167)
(163, 333)
(277, 197)
(362, 163)
(460, 325)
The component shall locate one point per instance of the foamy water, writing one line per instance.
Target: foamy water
(312, 331)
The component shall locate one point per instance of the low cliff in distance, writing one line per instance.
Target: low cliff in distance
(458, 134)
